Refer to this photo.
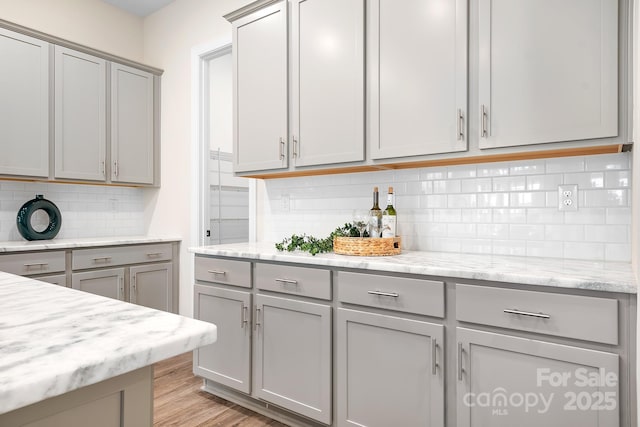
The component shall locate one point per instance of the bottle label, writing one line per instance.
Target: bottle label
(389, 225)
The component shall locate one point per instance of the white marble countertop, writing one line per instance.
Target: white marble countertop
(601, 276)
(87, 242)
(54, 339)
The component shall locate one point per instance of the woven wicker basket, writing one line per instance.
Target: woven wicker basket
(367, 246)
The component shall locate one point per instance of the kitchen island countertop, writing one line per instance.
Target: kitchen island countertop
(54, 339)
(561, 273)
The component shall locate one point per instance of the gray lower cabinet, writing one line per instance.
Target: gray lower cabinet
(504, 381)
(57, 279)
(151, 285)
(292, 355)
(391, 371)
(108, 282)
(228, 360)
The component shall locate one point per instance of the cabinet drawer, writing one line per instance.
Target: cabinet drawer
(225, 271)
(308, 282)
(571, 316)
(28, 264)
(394, 293)
(120, 255)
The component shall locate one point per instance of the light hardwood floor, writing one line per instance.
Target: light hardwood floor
(179, 402)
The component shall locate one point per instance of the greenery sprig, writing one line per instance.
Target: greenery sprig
(314, 245)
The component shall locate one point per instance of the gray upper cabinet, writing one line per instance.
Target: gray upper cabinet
(548, 71)
(132, 125)
(260, 59)
(506, 381)
(327, 81)
(24, 105)
(80, 115)
(417, 71)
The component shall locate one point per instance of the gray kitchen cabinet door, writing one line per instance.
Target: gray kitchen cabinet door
(80, 115)
(417, 65)
(327, 81)
(108, 282)
(152, 285)
(57, 279)
(132, 139)
(548, 71)
(390, 371)
(292, 356)
(24, 105)
(505, 381)
(260, 58)
(228, 360)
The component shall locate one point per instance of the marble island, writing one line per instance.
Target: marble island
(562, 273)
(56, 340)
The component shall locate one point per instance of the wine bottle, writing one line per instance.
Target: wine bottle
(389, 218)
(376, 215)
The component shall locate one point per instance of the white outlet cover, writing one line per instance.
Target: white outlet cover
(568, 197)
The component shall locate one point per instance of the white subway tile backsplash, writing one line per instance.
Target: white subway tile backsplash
(543, 182)
(585, 179)
(87, 210)
(617, 179)
(510, 183)
(607, 162)
(508, 208)
(461, 200)
(531, 167)
(476, 185)
(607, 233)
(493, 200)
(565, 164)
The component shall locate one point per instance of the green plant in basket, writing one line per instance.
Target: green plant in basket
(314, 245)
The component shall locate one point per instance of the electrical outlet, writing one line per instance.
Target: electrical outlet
(285, 203)
(568, 197)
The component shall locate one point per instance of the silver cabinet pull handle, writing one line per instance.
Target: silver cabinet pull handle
(115, 168)
(217, 272)
(102, 258)
(102, 168)
(36, 264)
(434, 355)
(281, 148)
(526, 313)
(154, 254)
(121, 289)
(295, 147)
(460, 361)
(483, 121)
(460, 125)
(243, 316)
(384, 294)
(257, 323)
(287, 281)
(134, 290)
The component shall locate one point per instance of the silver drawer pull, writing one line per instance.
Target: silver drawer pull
(154, 254)
(526, 313)
(384, 294)
(217, 272)
(102, 258)
(37, 264)
(434, 356)
(287, 281)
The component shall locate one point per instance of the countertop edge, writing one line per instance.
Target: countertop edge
(85, 242)
(503, 269)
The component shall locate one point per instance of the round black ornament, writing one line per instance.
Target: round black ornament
(26, 212)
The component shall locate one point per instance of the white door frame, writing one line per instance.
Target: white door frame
(200, 57)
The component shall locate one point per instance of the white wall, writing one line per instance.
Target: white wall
(221, 103)
(169, 37)
(92, 23)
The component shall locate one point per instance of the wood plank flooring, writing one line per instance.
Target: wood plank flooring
(179, 402)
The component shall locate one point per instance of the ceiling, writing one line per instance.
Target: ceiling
(140, 8)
